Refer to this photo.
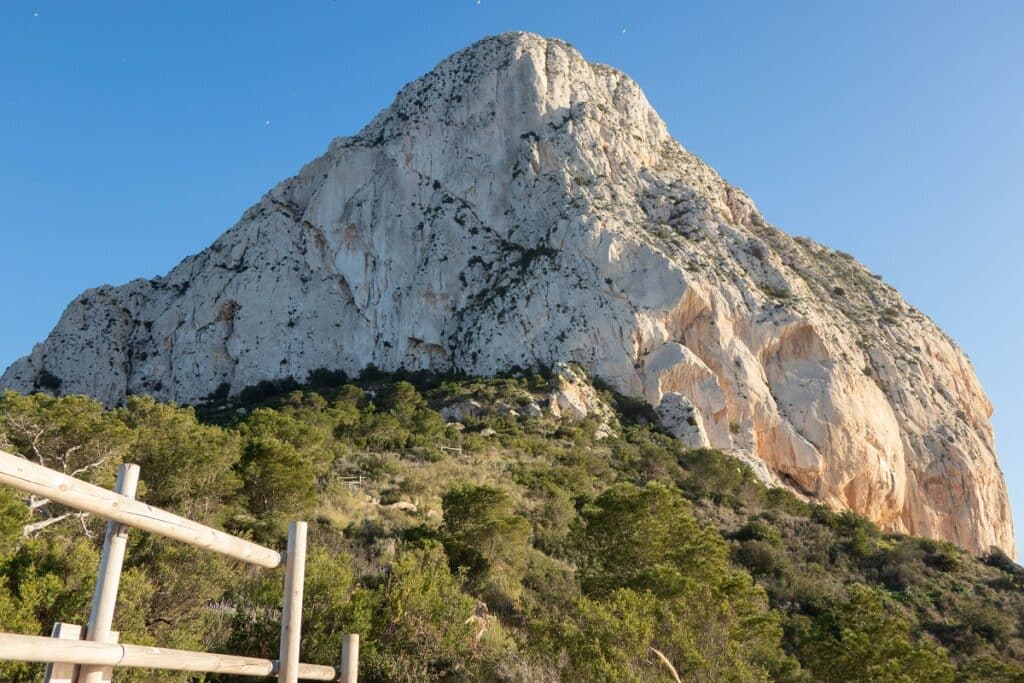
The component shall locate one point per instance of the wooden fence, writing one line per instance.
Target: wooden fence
(75, 656)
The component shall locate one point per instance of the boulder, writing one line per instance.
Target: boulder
(678, 416)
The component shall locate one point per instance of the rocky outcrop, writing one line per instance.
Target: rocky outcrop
(680, 417)
(460, 410)
(575, 398)
(518, 206)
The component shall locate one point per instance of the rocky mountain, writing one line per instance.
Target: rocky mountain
(519, 206)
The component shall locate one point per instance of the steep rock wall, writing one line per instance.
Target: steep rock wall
(520, 206)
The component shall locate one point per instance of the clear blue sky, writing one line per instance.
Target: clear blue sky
(134, 133)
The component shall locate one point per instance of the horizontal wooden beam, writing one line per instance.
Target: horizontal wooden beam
(27, 476)
(42, 649)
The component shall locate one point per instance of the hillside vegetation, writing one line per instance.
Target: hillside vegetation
(505, 547)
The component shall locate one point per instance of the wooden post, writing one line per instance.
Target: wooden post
(350, 658)
(291, 614)
(104, 597)
(107, 671)
(63, 672)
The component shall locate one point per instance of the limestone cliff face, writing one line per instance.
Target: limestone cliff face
(520, 206)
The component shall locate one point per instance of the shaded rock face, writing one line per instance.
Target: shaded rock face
(518, 206)
(678, 416)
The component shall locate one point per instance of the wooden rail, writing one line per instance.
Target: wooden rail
(43, 649)
(96, 654)
(27, 476)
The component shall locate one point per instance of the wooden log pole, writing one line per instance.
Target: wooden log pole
(19, 473)
(17, 647)
(350, 658)
(291, 613)
(108, 579)
(63, 672)
(107, 672)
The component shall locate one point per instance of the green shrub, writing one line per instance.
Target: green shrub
(777, 498)
(762, 558)
(484, 537)
(862, 640)
(417, 622)
(758, 530)
(774, 292)
(714, 475)
(49, 381)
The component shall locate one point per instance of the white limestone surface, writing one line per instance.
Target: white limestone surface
(518, 206)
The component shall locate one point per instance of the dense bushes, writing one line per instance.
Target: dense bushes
(642, 547)
(488, 541)
(504, 548)
(860, 639)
